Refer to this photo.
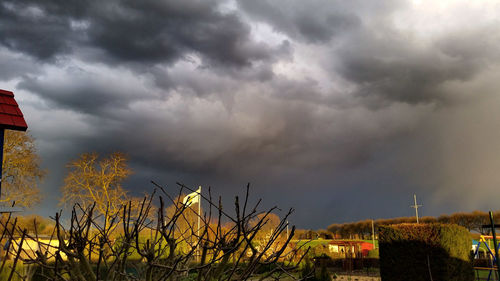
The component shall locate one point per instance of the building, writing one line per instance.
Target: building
(350, 248)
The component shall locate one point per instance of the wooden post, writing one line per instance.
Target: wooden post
(2, 131)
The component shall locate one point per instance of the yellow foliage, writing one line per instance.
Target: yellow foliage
(21, 172)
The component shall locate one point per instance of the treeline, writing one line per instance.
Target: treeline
(308, 234)
(472, 221)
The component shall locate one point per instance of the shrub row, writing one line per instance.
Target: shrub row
(418, 252)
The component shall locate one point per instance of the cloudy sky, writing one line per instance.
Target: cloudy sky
(340, 109)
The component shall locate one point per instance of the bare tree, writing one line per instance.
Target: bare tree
(223, 248)
(91, 180)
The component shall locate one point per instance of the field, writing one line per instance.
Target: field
(317, 242)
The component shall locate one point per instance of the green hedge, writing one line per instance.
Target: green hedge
(414, 252)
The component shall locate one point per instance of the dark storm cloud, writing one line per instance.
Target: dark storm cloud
(303, 98)
(42, 30)
(130, 31)
(167, 30)
(369, 50)
(393, 68)
(82, 95)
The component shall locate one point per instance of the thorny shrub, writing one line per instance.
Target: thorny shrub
(144, 242)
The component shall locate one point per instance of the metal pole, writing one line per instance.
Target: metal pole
(2, 131)
(286, 229)
(416, 206)
(198, 231)
(373, 235)
(495, 245)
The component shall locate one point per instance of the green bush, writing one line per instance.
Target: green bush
(415, 252)
(23, 272)
(307, 270)
(324, 275)
(309, 273)
(4, 274)
(374, 254)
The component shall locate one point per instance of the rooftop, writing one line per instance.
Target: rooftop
(11, 116)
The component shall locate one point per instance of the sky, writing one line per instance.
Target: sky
(341, 110)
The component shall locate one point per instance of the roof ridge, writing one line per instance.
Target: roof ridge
(11, 117)
(7, 93)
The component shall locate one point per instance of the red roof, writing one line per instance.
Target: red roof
(11, 116)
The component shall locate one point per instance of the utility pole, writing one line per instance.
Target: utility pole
(286, 229)
(198, 231)
(415, 206)
(373, 235)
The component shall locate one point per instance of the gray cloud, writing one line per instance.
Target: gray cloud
(346, 101)
(82, 91)
(15, 66)
(393, 68)
(130, 31)
(312, 21)
(384, 62)
(167, 30)
(42, 31)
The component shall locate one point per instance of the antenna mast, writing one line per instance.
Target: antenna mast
(415, 206)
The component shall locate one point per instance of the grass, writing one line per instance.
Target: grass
(312, 243)
(371, 241)
(483, 274)
(4, 274)
(318, 242)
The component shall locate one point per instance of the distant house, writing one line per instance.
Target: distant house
(349, 248)
(366, 248)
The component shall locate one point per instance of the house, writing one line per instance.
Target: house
(350, 248)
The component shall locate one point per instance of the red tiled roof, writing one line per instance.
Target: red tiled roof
(11, 116)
